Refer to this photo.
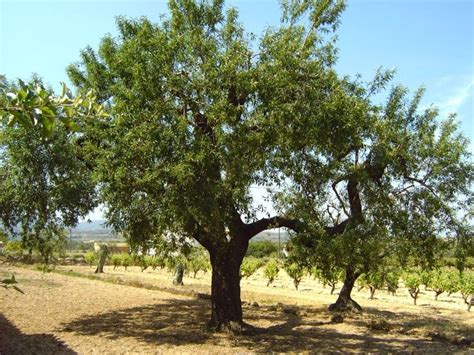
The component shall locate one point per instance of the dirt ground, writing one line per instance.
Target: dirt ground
(59, 313)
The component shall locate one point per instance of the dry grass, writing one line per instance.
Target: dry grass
(64, 314)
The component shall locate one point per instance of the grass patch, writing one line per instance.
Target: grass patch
(132, 283)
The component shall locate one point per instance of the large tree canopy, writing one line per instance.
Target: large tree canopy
(194, 104)
(200, 111)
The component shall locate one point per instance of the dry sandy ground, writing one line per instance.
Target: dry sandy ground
(65, 314)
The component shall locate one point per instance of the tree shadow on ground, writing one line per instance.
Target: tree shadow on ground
(13, 341)
(182, 322)
(406, 321)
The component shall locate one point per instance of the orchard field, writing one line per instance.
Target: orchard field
(73, 310)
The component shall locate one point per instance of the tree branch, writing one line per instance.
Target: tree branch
(422, 183)
(256, 227)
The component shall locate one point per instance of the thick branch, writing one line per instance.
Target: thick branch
(338, 228)
(256, 227)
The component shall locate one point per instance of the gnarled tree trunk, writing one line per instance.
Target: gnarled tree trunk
(178, 275)
(103, 257)
(344, 301)
(225, 292)
(225, 288)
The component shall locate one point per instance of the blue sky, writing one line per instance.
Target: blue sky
(429, 42)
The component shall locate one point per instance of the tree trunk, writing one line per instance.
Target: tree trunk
(414, 294)
(344, 301)
(178, 276)
(372, 292)
(225, 289)
(103, 257)
(469, 300)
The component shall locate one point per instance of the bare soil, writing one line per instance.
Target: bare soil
(59, 313)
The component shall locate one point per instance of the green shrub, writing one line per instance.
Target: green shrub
(143, 261)
(157, 261)
(296, 272)
(328, 276)
(198, 263)
(126, 260)
(13, 247)
(413, 281)
(466, 287)
(90, 258)
(452, 282)
(391, 280)
(271, 271)
(249, 266)
(116, 260)
(437, 282)
(374, 280)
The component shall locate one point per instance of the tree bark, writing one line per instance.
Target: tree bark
(372, 292)
(344, 301)
(225, 288)
(103, 257)
(178, 276)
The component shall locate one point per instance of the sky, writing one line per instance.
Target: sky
(428, 42)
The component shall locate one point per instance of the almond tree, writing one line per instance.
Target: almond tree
(392, 177)
(192, 124)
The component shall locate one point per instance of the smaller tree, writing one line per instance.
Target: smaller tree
(198, 261)
(126, 261)
(452, 282)
(466, 286)
(90, 258)
(412, 280)
(116, 260)
(437, 282)
(425, 277)
(271, 271)
(329, 275)
(391, 280)
(374, 281)
(295, 271)
(249, 266)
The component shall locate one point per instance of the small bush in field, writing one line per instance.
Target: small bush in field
(329, 276)
(452, 282)
(156, 261)
(271, 271)
(391, 281)
(198, 263)
(374, 281)
(90, 258)
(116, 260)
(296, 272)
(437, 282)
(249, 266)
(143, 261)
(126, 260)
(466, 287)
(412, 280)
